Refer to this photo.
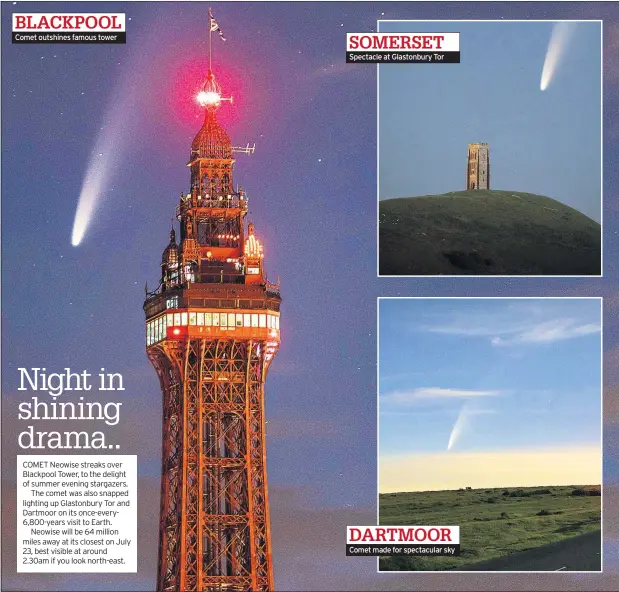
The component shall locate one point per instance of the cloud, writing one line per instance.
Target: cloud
(413, 395)
(464, 329)
(570, 465)
(519, 323)
(549, 332)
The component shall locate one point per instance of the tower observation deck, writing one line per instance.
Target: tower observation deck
(212, 329)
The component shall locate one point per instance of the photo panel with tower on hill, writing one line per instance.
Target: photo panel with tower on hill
(489, 148)
(490, 434)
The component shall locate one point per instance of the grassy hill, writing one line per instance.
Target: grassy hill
(493, 523)
(486, 233)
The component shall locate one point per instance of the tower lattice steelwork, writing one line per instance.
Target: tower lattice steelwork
(212, 329)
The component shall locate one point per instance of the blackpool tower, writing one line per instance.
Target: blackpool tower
(212, 329)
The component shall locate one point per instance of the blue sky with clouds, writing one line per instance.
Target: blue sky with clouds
(492, 374)
(547, 143)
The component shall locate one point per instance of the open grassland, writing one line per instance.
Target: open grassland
(494, 523)
(486, 232)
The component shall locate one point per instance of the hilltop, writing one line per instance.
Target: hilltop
(486, 232)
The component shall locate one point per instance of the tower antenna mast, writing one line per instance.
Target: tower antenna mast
(212, 27)
(210, 39)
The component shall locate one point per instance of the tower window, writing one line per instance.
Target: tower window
(189, 274)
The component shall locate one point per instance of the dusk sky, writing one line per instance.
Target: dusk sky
(540, 142)
(312, 190)
(478, 382)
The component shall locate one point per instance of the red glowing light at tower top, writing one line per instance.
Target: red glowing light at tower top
(210, 93)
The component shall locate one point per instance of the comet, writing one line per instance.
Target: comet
(561, 34)
(461, 422)
(107, 151)
(94, 180)
(117, 127)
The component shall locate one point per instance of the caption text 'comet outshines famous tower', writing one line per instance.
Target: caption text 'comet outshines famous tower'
(212, 329)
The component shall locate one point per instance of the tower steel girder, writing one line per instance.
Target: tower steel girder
(214, 528)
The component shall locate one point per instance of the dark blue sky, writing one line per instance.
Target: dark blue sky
(312, 189)
(547, 143)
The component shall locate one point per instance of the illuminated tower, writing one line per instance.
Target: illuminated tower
(478, 169)
(212, 329)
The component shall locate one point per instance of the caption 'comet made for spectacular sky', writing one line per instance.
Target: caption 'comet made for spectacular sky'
(559, 40)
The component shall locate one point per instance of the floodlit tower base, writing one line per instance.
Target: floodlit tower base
(214, 466)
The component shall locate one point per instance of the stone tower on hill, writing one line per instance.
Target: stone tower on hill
(478, 168)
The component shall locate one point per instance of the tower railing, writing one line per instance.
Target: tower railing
(206, 277)
(233, 201)
(272, 289)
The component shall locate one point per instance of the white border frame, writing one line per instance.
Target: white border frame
(601, 22)
(533, 572)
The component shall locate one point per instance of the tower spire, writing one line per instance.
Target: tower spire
(210, 40)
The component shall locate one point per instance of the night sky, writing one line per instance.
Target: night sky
(312, 190)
